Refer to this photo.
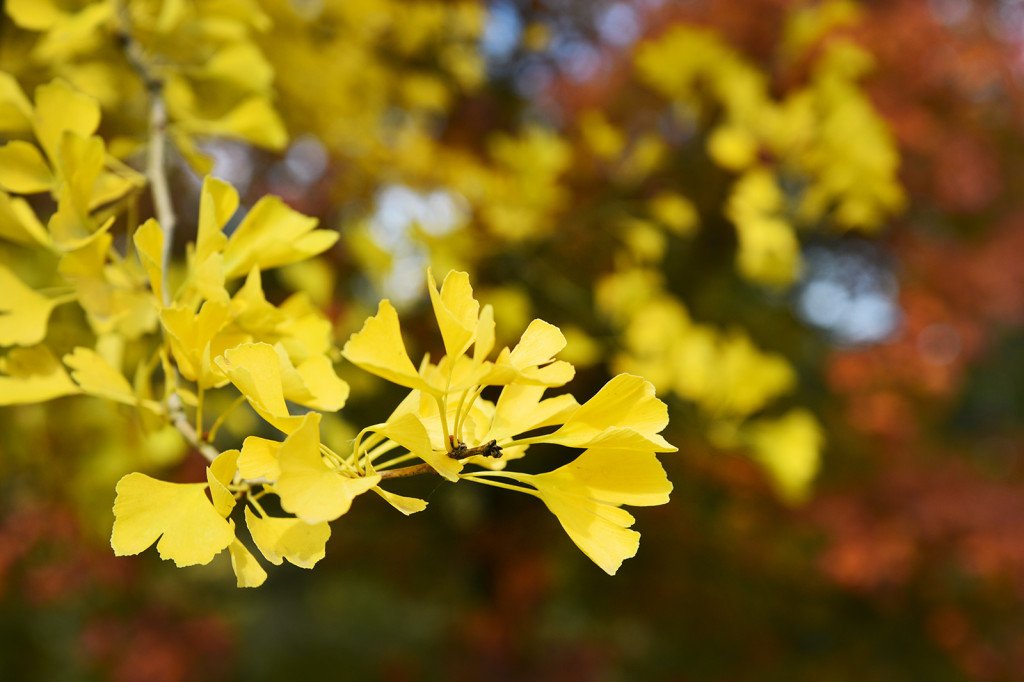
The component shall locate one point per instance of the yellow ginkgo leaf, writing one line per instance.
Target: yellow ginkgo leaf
(253, 120)
(224, 467)
(532, 360)
(241, 64)
(456, 310)
(297, 326)
(196, 339)
(600, 531)
(189, 529)
(75, 34)
(24, 314)
(624, 414)
(84, 266)
(23, 170)
(33, 375)
(379, 349)
(172, 13)
(538, 345)
(79, 164)
(111, 186)
(255, 370)
(251, 310)
(15, 109)
(259, 459)
(406, 505)
(265, 376)
(301, 543)
(199, 161)
(484, 335)
(149, 243)
(586, 493)
(19, 224)
(615, 477)
(520, 409)
(271, 235)
(97, 377)
(59, 108)
(219, 475)
(206, 278)
(307, 487)
(34, 15)
(218, 202)
(327, 392)
(248, 572)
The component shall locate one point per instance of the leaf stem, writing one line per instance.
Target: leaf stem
(376, 452)
(199, 411)
(476, 478)
(355, 458)
(442, 409)
(338, 459)
(397, 460)
(223, 417)
(252, 500)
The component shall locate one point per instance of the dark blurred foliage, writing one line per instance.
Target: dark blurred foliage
(908, 564)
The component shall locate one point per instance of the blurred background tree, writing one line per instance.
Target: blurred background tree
(798, 219)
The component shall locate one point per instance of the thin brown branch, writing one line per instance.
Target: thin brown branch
(163, 207)
(460, 451)
(156, 161)
(405, 472)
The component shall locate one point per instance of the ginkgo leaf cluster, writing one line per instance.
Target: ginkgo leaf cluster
(443, 426)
